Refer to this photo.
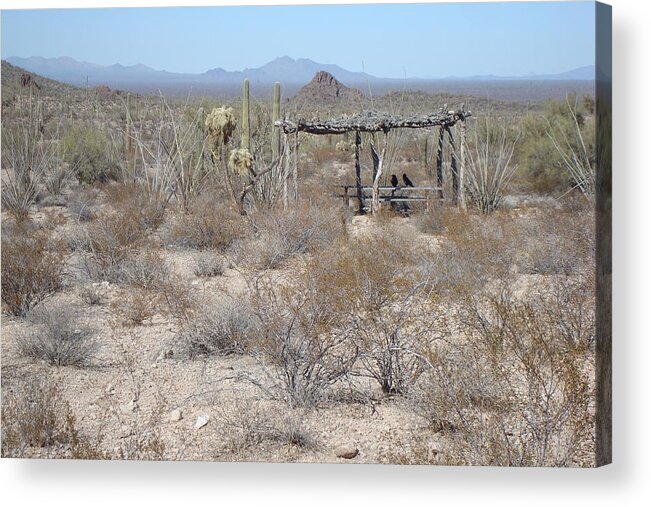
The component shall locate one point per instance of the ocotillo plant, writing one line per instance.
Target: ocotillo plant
(246, 116)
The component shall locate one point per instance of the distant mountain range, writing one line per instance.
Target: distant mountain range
(293, 74)
(284, 69)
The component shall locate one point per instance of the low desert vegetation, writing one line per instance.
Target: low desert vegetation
(162, 266)
(57, 336)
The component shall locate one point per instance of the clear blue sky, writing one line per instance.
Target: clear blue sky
(422, 40)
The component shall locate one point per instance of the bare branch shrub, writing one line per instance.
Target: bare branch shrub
(512, 393)
(245, 425)
(58, 337)
(385, 307)
(302, 348)
(33, 415)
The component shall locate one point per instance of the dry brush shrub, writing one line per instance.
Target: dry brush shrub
(557, 241)
(384, 304)
(474, 250)
(209, 224)
(109, 242)
(512, 391)
(302, 347)
(33, 415)
(57, 336)
(282, 235)
(208, 265)
(32, 267)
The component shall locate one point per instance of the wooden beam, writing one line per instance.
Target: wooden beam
(371, 121)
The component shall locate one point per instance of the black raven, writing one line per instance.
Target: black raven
(394, 180)
(407, 181)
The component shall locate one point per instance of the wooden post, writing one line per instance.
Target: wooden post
(376, 159)
(462, 160)
(295, 169)
(439, 162)
(358, 175)
(378, 174)
(453, 167)
(287, 155)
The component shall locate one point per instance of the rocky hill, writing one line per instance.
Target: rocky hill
(324, 87)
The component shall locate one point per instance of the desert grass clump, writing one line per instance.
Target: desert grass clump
(94, 294)
(208, 265)
(57, 337)
(221, 328)
(32, 268)
(135, 305)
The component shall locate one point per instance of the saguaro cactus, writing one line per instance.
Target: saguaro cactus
(246, 117)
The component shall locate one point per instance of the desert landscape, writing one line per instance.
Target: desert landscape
(146, 315)
(295, 262)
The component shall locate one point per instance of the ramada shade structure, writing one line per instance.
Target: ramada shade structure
(372, 122)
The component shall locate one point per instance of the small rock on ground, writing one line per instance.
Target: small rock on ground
(346, 452)
(202, 420)
(176, 415)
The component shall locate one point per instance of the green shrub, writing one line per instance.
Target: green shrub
(87, 151)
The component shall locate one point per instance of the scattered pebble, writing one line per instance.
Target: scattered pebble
(202, 420)
(176, 415)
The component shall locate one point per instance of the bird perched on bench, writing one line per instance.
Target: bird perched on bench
(394, 180)
(406, 180)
